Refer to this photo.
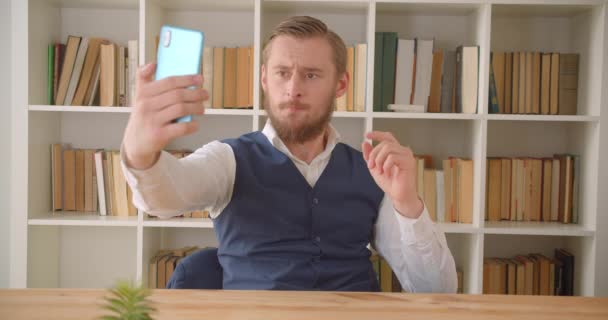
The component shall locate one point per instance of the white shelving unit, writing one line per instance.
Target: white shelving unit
(66, 250)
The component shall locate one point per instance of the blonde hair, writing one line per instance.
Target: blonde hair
(303, 27)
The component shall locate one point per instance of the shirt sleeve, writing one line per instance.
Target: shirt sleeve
(202, 180)
(415, 249)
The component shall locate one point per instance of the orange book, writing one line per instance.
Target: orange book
(230, 71)
(69, 180)
(69, 58)
(465, 190)
(91, 59)
(57, 176)
(218, 78)
(436, 75)
(89, 165)
(108, 95)
(79, 185)
(242, 77)
(350, 68)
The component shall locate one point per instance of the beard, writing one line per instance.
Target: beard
(292, 131)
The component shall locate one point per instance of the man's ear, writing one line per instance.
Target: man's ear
(263, 77)
(343, 82)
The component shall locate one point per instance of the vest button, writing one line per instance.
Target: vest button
(315, 201)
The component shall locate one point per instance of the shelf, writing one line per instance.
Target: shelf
(82, 219)
(458, 228)
(50, 108)
(232, 5)
(537, 228)
(336, 114)
(229, 112)
(179, 223)
(426, 115)
(427, 9)
(97, 4)
(532, 117)
(503, 8)
(340, 6)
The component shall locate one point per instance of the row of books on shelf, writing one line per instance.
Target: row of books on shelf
(387, 279)
(90, 181)
(533, 189)
(356, 66)
(533, 83)
(97, 72)
(91, 71)
(533, 274)
(447, 193)
(228, 77)
(411, 76)
(162, 265)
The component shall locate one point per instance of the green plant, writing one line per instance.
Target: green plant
(128, 302)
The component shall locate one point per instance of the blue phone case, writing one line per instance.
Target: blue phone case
(179, 53)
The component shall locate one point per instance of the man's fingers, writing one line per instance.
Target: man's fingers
(179, 96)
(389, 149)
(179, 129)
(161, 86)
(170, 113)
(393, 160)
(145, 75)
(381, 136)
(367, 148)
(371, 162)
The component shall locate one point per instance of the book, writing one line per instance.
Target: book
(218, 78)
(230, 61)
(361, 77)
(424, 66)
(88, 70)
(207, 72)
(405, 69)
(50, 73)
(69, 60)
(468, 80)
(434, 104)
(108, 93)
(78, 64)
(242, 77)
(568, 84)
(378, 58)
(406, 108)
(447, 81)
(389, 56)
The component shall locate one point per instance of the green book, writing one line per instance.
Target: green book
(51, 68)
(389, 63)
(492, 99)
(378, 48)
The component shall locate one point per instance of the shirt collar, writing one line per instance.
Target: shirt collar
(272, 136)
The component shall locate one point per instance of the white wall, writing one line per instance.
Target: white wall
(5, 139)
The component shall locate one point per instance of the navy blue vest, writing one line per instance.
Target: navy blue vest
(277, 232)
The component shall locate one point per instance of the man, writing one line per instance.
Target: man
(293, 208)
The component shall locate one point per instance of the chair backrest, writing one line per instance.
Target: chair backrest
(200, 270)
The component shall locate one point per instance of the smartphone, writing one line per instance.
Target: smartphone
(179, 53)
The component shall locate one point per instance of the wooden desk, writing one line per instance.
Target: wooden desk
(213, 305)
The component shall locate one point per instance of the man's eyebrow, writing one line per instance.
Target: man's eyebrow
(307, 69)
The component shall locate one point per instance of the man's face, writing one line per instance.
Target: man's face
(300, 85)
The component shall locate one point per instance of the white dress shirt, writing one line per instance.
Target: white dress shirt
(415, 249)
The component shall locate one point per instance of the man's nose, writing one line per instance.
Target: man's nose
(294, 86)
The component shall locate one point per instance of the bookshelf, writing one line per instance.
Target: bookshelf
(66, 250)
